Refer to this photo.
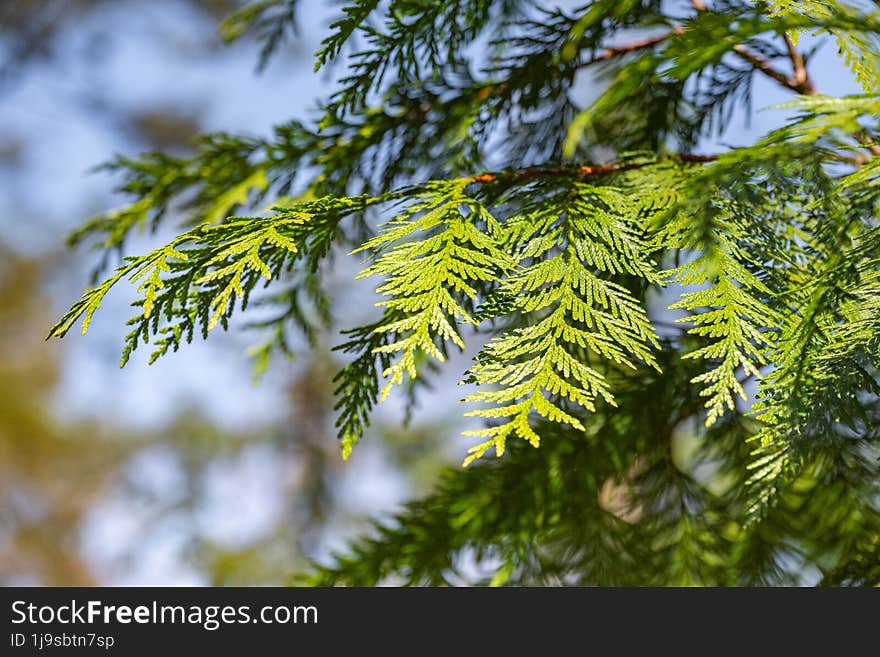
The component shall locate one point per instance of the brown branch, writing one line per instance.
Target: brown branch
(799, 82)
(641, 44)
(865, 142)
(798, 65)
(586, 171)
(801, 86)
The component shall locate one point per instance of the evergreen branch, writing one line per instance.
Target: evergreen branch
(638, 518)
(270, 19)
(226, 174)
(588, 170)
(728, 309)
(343, 29)
(554, 263)
(431, 282)
(569, 241)
(357, 383)
(196, 280)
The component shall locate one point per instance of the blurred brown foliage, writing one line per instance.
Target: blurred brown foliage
(50, 473)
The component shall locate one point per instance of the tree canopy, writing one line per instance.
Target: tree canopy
(678, 351)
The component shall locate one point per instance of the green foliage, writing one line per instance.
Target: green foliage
(727, 309)
(415, 38)
(431, 281)
(195, 281)
(458, 164)
(270, 20)
(567, 243)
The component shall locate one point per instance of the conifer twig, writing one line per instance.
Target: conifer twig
(581, 172)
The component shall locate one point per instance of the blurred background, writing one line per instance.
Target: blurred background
(186, 472)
